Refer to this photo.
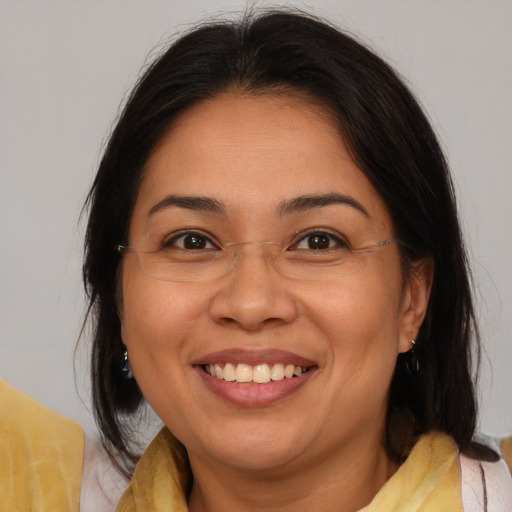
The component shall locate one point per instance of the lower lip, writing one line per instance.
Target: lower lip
(252, 394)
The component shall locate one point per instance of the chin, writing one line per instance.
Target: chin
(255, 449)
(258, 458)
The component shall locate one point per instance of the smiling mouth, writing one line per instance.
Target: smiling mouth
(260, 373)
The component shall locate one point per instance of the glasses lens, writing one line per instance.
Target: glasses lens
(301, 264)
(191, 265)
(320, 265)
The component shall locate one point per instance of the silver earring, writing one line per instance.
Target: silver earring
(412, 364)
(125, 368)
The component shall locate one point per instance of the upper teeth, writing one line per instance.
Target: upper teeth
(261, 373)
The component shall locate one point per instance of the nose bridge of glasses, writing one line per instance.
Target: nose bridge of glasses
(240, 251)
(253, 249)
(245, 244)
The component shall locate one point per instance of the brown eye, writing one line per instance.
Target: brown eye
(319, 241)
(194, 242)
(190, 241)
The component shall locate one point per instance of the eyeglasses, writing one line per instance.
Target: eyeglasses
(193, 257)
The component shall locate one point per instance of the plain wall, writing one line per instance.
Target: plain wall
(64, 68)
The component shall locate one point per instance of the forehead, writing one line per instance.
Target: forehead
(252, 152)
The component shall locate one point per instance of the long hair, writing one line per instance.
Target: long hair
(391, 141)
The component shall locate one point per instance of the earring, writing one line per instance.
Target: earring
(412, 364)
(125, 368)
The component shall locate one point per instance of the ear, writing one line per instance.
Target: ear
(415, 297)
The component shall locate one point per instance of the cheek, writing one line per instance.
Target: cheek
(360, 321)
(159, 321)
(358, 312)
(361, 325)
(158, 318)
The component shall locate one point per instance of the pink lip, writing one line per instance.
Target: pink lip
(253, 394)
(254, 357)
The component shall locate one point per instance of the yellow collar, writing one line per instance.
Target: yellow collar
(428, 481)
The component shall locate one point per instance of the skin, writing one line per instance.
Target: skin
(321, 447)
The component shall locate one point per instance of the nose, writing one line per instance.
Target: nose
(253, 295)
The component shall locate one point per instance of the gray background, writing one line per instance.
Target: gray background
(64, 67)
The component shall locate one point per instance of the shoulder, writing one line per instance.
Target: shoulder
(41, 454)
(486, 486)
(23, 416)
(34, 431)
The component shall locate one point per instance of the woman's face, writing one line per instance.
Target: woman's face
(267, 168)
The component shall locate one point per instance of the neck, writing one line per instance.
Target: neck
(346, 481)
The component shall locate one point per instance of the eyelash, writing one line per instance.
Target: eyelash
(339, 242)
(170, 242)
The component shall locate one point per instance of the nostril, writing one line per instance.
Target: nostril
(252, 297)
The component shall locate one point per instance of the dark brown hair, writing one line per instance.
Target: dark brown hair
(391, 141)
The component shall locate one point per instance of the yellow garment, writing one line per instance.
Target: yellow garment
(41, 456)
(428, 481)
(160, 478)
(506, 451)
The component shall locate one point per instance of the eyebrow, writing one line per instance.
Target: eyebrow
(304, 203)
(295, 205)
(200, 203)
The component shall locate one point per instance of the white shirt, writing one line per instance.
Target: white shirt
(486, 486)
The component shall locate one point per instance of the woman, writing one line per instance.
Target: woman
(275, 264)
